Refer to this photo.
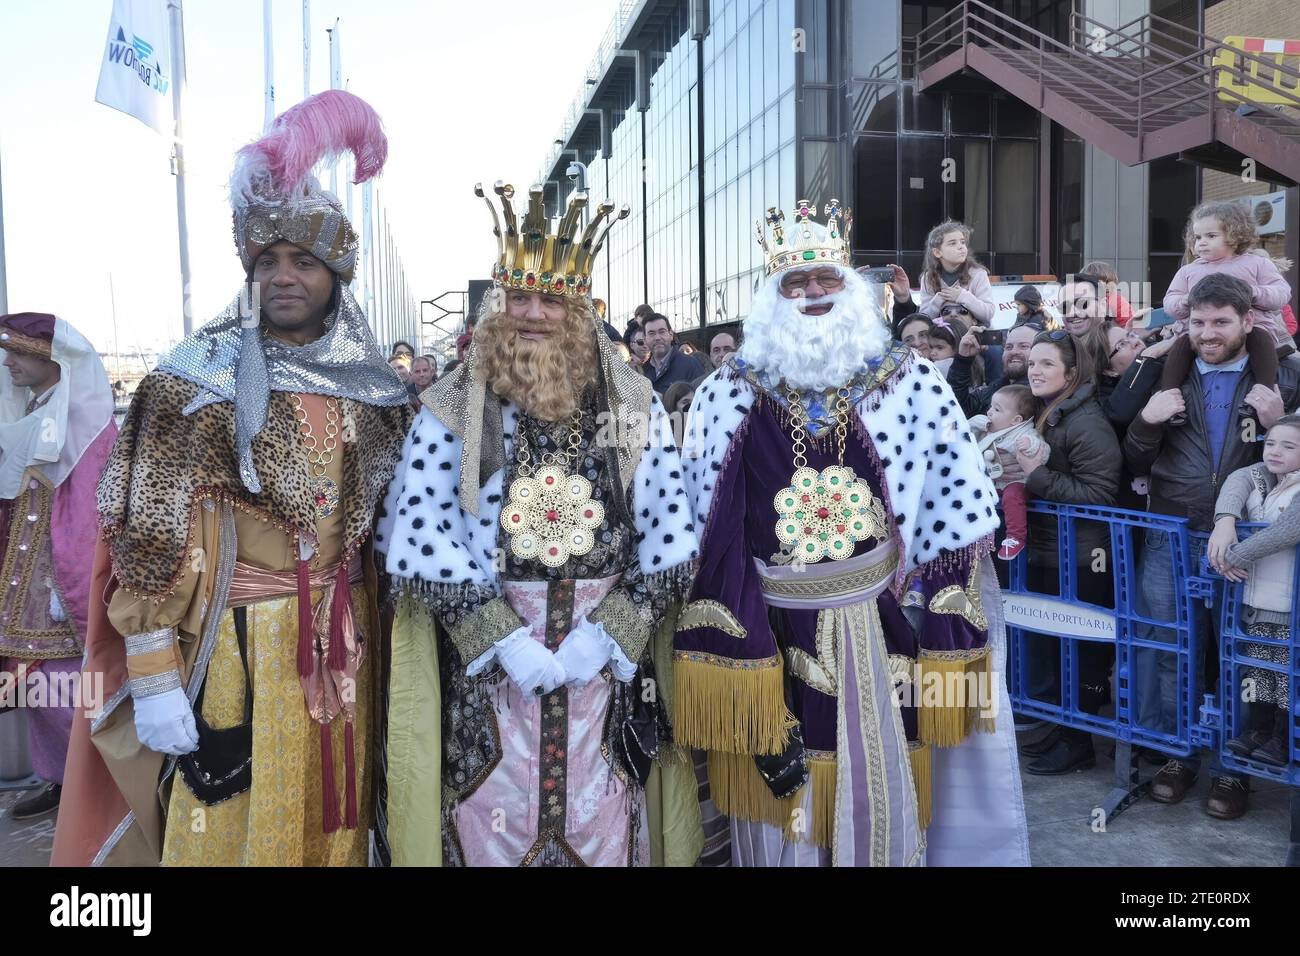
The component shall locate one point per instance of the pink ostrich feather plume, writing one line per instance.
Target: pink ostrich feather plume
(321, 127)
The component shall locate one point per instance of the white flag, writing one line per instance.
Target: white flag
(136, 77)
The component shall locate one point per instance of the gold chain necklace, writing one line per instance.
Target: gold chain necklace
(325, 493)
(551, 515)
(824, 514)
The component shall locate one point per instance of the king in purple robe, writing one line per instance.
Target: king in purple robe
(840, 655)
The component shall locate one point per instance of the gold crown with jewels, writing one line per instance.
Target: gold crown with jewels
(807, 243)
(533, 259)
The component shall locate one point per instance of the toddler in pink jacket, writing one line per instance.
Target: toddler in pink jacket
(1220, 235)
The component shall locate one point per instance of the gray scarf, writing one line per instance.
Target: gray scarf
(233, 362)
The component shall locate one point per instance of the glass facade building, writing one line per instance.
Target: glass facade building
(707, 112)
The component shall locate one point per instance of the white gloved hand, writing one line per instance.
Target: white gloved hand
(979, 423)
(165, 722)
(586, 649)
(527, 662)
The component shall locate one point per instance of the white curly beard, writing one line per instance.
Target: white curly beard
(815, 351)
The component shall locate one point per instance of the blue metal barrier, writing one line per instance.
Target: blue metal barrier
(1142, 640)
(1225, 718)
(1131, 625)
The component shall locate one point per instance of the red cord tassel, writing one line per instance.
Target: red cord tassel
(351, 783)
(329, 794)
(340, 608)
(305, 630)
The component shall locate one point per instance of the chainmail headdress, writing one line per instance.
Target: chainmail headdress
(275, 197)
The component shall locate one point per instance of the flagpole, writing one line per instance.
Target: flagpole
(177, 18)
(117, 348)
(306, 48)
(268, 57)
(335, 83)
(368, 256)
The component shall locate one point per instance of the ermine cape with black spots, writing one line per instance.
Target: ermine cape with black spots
(524, 779)
(791, 695)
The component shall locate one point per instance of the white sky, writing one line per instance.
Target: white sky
(468, 92)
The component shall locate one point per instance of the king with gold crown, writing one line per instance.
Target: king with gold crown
(535, 533)
(839, 654)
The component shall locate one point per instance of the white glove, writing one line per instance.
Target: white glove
(165, 723)
(586, 649)
(527, 662)
(979, 423)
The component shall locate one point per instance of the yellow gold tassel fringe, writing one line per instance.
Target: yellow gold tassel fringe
(951, 685)
(739, 710)
(738, 790)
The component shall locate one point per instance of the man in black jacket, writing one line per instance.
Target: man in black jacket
(668, 364)
(1187, 464)
(1015, 367)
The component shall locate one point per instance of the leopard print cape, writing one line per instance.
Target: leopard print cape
(166, 464)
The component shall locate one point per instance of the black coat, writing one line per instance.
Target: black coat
(680, 368)
(974, 401)
(1122, 400)
(1185, 474)
(1083, 467)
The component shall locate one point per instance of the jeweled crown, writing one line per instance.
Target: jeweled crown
(531, 258)
(807, 242)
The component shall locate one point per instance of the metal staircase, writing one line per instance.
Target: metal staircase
(1147, 89)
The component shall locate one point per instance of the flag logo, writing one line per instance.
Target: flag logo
(136, 75)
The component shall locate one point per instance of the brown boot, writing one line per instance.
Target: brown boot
(1228, 798)
(1171, 784)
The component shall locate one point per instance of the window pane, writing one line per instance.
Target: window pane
(771, 185)
(1014, 172)
(774, 48)
(875, 192)
(875, 108)
(787, 117)
(873, 39)
(821, 170)
(1016, 118)
(785, 34)
(969, 113)
(741, 67)
(922, 189)
(817, 112)
(817, 36)
(969, 194)
(787, 196)
(922, 111)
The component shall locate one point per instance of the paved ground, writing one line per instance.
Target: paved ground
(1149, 833)
(23, 842)
(1060, 834)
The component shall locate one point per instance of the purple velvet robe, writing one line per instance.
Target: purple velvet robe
(742, 525)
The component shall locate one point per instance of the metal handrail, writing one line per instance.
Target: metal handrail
(1121, 31)
(1194, 67)
(1041, 37)
(951, 14)
(1062, 63)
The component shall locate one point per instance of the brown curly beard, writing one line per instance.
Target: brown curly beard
(544, 377)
